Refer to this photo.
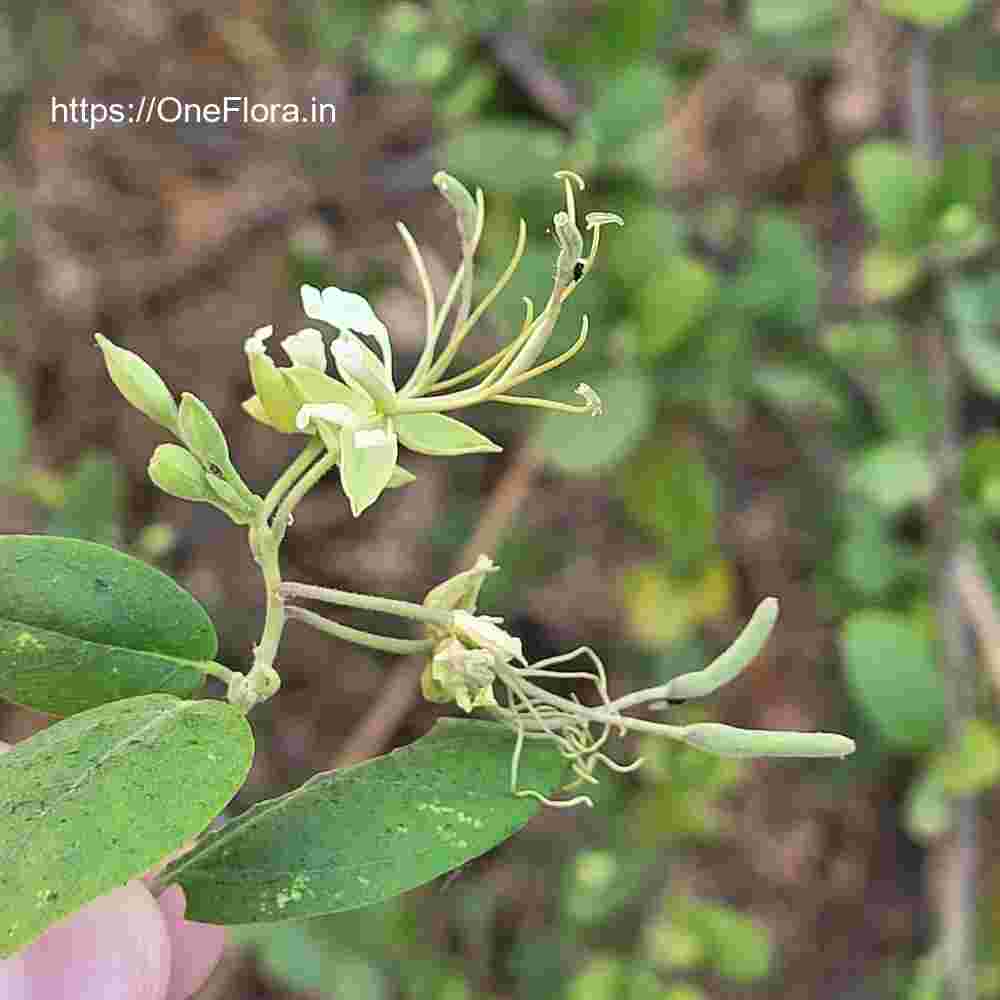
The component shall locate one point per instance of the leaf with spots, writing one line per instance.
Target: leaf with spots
(82, 624)
(98, 798)
(357, 836)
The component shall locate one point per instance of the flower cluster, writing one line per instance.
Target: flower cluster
(364, 416)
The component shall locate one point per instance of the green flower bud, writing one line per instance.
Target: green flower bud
(177, 472)
(464, 205)
(200, 431)
(728, 741)
(139, 384)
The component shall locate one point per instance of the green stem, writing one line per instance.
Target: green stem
(285, 481)
(312, 476)
(368, 602)
(213, 669)
(383, 643)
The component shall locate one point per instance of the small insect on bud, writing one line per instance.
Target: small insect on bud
(578, 268)
(177, 472)
(139, 384)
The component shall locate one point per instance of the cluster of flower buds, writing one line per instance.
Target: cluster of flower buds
(363, 416)
(198, 469)
(472, 655)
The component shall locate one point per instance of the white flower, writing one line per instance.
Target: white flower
(306, 348)
(347, 311)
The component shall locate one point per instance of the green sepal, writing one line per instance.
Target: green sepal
(436, 434)
(400, 477)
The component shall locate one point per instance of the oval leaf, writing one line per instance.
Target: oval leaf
(97, 799)
(82, 623)
(60, 674)
(15, 427)
(436, 434)
(890, 669)
(363, 834)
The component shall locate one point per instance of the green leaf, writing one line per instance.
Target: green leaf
(973, 764)
(97, 799)
(629, 411)
(933, 13)
(300, 958)
(436, 434)
(362, 834)
(81, 624)
(365, 472)
(927, 811)
(890, 668)
(895, 190)
(673, 301)
(893, 475)
(782, 278)
(978, 348)
(738, 946)
(504, 158)
(632, 103)
(798, 390)
(94, 501)
(672, 492)
(779, 17)
(887, 273)
(15, 427)
(868, 558)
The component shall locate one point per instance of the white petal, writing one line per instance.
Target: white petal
(370, 437)
(332, 413)
(350, 311)
(312, 301)
(361, 369)
(255, 344)
(484, 633)
(306, 348)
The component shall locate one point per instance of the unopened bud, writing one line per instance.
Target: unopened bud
(139, 384)
(177, 472)
(201, 432)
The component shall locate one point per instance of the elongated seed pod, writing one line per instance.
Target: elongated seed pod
(728, 741)
(730, 663)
